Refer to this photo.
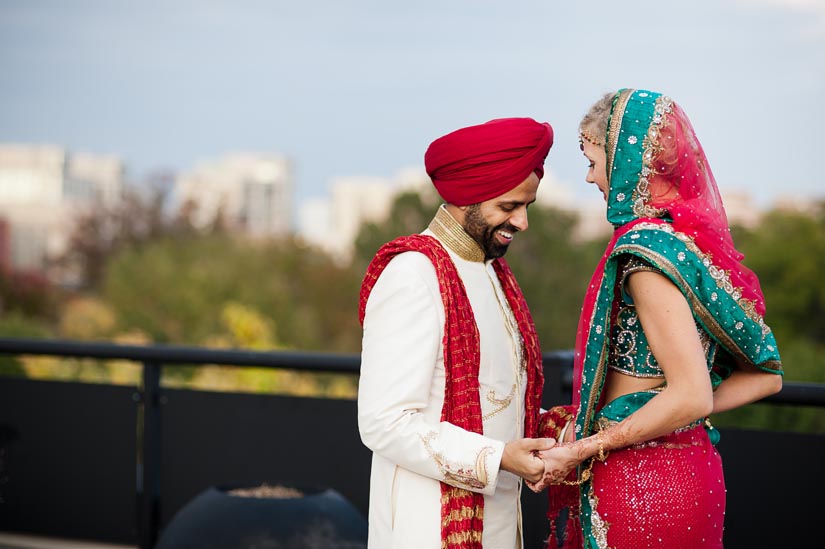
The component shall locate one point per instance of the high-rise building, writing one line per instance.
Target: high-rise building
(43, 188)
(248, 192)
(587, 204)
(333, 224)
(740, 208)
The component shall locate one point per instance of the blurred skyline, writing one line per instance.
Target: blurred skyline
(360, 88)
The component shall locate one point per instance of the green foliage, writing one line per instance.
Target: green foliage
(27, 293)
(787, 251)
(179, 293)
(553, 271)
(410, 214)
(101, 233)
(86, 318)
(17, 324)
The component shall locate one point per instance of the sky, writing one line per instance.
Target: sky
(360, 88)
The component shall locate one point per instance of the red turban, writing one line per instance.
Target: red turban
(481, 162)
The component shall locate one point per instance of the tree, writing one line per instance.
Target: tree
(178, 293)
(787, 251)
(28, 293)
(16, 324)
(100, 233)
(553, 269)
(410, 213)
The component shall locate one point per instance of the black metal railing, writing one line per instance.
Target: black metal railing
(154, 357)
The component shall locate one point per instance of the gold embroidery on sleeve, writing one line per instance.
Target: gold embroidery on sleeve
(458, 474)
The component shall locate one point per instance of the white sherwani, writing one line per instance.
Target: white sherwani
(401, 393)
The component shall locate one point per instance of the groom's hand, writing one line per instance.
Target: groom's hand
(521, 457)
(558, 463)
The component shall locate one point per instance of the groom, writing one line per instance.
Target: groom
(451, 371)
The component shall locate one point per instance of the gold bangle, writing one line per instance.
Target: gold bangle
(601, 456)
(563, 432)
(587, 472)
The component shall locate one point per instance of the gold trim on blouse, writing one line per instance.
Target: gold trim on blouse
(452, 234)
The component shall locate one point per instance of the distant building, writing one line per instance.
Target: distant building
(315, 222)
(333, 224)
(799, 204)
(590, 209)
(93, 179)
(740, 208)
(249, 192)
(357, 200)
(43, 189)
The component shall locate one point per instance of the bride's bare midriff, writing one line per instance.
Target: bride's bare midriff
(618, 384)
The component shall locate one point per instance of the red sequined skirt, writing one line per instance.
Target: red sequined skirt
(666, 492)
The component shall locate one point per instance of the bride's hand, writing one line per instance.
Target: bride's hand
(558, 462)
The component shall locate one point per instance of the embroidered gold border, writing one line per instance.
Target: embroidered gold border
(600, 369)
(600, 526)
(453, 235)
(635, 269)
(616, 116)
(721, 276)
(471, 476)
(707, 318)
(651, 149)
(481, 464)
(634, 373)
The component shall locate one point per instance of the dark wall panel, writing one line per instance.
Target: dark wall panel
(772, 478)
(68, 463)
(219, 439)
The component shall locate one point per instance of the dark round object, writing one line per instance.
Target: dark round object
(321, 518)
